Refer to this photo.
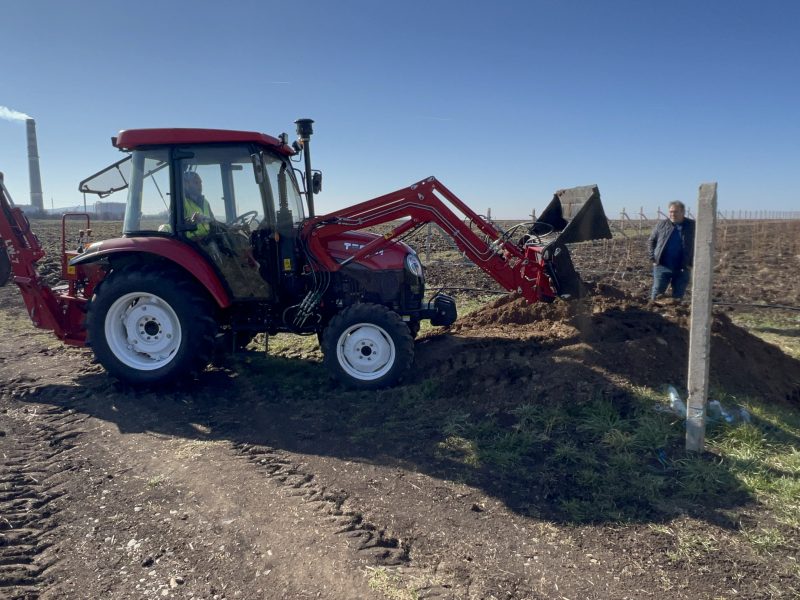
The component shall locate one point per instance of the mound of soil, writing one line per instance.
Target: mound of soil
(607, 337)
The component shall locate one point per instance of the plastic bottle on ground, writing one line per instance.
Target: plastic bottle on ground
(676, 405)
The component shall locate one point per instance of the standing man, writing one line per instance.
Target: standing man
(671, 247)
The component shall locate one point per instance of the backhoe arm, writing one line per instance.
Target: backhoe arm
(20, 247)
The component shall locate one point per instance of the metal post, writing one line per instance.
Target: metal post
(700, 327)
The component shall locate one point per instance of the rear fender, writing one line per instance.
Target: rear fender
(163, 248)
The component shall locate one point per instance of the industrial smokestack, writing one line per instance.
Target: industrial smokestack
(37, 202)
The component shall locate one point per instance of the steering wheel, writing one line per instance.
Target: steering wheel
(244, 219)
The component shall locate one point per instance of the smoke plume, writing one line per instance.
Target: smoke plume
(12, 115)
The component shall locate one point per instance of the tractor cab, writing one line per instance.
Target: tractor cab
(231, 195)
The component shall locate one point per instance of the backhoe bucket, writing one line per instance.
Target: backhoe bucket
(577, 214)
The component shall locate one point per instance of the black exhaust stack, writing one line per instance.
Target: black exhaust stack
(304, 130)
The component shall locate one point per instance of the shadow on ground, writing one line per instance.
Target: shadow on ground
(541, 430)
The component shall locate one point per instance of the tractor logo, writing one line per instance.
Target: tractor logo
(355, 247)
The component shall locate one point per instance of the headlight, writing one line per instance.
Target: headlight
(413, 264)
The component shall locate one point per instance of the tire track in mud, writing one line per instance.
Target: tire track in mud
(376, 545)
(35, 463)
(372, 541)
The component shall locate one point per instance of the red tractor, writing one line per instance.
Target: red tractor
(218, 245)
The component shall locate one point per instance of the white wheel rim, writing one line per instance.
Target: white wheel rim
(143, 331)
(365, 351)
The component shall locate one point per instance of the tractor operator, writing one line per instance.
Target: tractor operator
(196, 208)
(671, 247)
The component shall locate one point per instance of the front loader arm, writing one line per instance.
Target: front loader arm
(516, 269)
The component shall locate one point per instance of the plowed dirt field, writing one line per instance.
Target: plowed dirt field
(264, 480)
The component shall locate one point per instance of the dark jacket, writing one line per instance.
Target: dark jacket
(660, 235)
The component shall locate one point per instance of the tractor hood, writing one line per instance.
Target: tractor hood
(344, 245)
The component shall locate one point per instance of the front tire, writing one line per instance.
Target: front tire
(146, 326)
(367, 346)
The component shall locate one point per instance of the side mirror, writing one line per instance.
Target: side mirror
(258, 168)
(316, 182)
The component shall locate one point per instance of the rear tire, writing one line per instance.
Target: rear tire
(148, 326)
(367, 346)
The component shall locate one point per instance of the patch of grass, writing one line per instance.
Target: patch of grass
(777, 328)
(290, 346)
(662, 529)
(610, 459)
(702, 479)
(156, 481)
(282, 376)
(594, 460)
(766, 541)
(539, 419)
(691, 546)
(391, 418)
(192, 449)
(458, 449)
(389, 584)
(763, 455)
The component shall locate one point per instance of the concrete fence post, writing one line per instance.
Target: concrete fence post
(700, 322)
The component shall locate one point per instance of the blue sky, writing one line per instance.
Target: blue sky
(504, 102)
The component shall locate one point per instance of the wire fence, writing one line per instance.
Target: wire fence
(756, 225)
(641, 221)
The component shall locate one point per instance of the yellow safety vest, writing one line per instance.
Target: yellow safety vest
(189, 208)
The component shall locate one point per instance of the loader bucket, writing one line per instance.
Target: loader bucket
(576, 214)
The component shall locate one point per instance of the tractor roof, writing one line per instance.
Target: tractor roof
(130, 139)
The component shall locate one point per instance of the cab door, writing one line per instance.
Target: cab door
(233, 208)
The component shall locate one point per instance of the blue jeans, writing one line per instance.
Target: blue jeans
(664, 276)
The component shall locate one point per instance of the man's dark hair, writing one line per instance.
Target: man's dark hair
(677, 203)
